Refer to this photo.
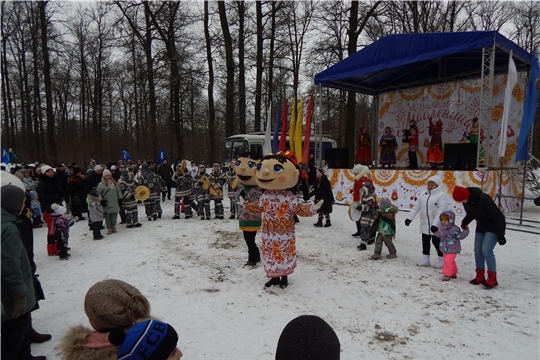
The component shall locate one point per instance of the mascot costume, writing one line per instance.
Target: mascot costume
(277, 174)
(247, 189)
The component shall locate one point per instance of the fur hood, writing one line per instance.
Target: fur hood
(94, 198)
(72, 346)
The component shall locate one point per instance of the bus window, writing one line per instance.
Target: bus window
(233, 149)
(256, 148)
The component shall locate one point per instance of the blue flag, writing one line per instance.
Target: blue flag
(5, 155)
(161, 156)
(529, 111)
(126, 155)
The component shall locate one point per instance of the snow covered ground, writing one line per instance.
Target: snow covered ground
(192, 273)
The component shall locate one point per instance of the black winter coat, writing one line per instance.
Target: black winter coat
(482, 208)
(48, 192)
(92, 180)
(323, 191)
(164, 171)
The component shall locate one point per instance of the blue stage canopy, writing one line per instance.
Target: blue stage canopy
(409, 60)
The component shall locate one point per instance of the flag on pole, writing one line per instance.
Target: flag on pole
(125, 155)
(5, 155)
(275, 140)
(298, 130)
(292, 125)
(307, 131)
(161, 156)
(529, 110)
(510, 83)
(283, 138)
(267, 146)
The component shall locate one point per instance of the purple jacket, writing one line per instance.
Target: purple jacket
(451, 235)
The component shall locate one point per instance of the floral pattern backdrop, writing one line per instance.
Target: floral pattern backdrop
(455, 104)
(404, 186)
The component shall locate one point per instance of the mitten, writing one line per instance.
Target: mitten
(359, 207)
(407, 222)
(434, 229)
(501, 239)
(464, 226)
(19, 306)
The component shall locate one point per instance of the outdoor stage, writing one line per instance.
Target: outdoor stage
(403, 186)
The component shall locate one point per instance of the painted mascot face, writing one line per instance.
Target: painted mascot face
(278, 171)
(246, 166)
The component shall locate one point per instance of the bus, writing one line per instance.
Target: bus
(237, 144)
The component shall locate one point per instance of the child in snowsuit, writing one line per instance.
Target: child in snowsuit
(35, 206)
(450, 245)
(369, 207)
(385, 225)
(61, 230)
(95, 213)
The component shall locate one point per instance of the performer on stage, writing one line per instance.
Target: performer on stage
(412, 140)
(388, 145)
(363, 153)
(435, 153)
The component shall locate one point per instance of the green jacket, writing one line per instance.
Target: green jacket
(16, 269)
(112, 196)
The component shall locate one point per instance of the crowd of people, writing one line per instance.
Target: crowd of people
(33, 195)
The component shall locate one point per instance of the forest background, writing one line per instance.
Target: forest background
(83, 80)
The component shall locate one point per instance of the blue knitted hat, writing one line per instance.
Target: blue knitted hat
(148, 340)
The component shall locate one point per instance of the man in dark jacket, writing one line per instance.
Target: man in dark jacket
(164, 170)
(49, 193)
(18, 294)
(62, 178)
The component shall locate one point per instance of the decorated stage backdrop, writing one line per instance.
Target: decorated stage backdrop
(455, 104)
(404, 186)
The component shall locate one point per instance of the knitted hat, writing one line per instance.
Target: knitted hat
(144, 165)
(385, 203)
(98, 168)
(113, 303)
(94, 191)
(148, 340)
(106, 172)
(216, 164)
(46, 168)
(113, 167)
(308, 337)
(436, 179)
(58, 209)
(24, 171)
(460, 193)
(359, 168)
(13, 193)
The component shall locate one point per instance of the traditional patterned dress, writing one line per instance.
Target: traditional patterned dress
(388, 145)
(363, 153)
(435, 154)
(278, 234)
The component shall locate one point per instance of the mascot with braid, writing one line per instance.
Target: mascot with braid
(277, 174)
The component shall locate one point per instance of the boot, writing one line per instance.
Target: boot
(113, 229)
(52, 250)
(362, 247)
(440, 263)
(424, 262)
(480, 277)
(357, 233)
(328, 223)
(109, 231)
(38, 338)
(491, 280)
(283, 282)
(273, 281)
(318, 223)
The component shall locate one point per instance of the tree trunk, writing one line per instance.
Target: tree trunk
(229, 64)
(259, 64)
(241, 68)
(52, 156)
(211, 109)
(151, 87)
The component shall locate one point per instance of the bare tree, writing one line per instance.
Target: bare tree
(229, 64)
(211, 109)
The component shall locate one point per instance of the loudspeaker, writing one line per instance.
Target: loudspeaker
(461, 156)
(337, 158)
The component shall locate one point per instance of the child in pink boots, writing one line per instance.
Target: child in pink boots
(450, 244)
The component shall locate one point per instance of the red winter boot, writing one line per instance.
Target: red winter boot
(52, 250)
(480, 277)
(492, 280)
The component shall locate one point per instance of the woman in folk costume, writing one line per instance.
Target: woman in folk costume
(277, 174)
(247, 189)
(363, 153)
(217, 180)
(322, 191)
(184, 192)
(127, 188)
(151, 181)
(201, 194)
(388, 145)
(435, 153)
